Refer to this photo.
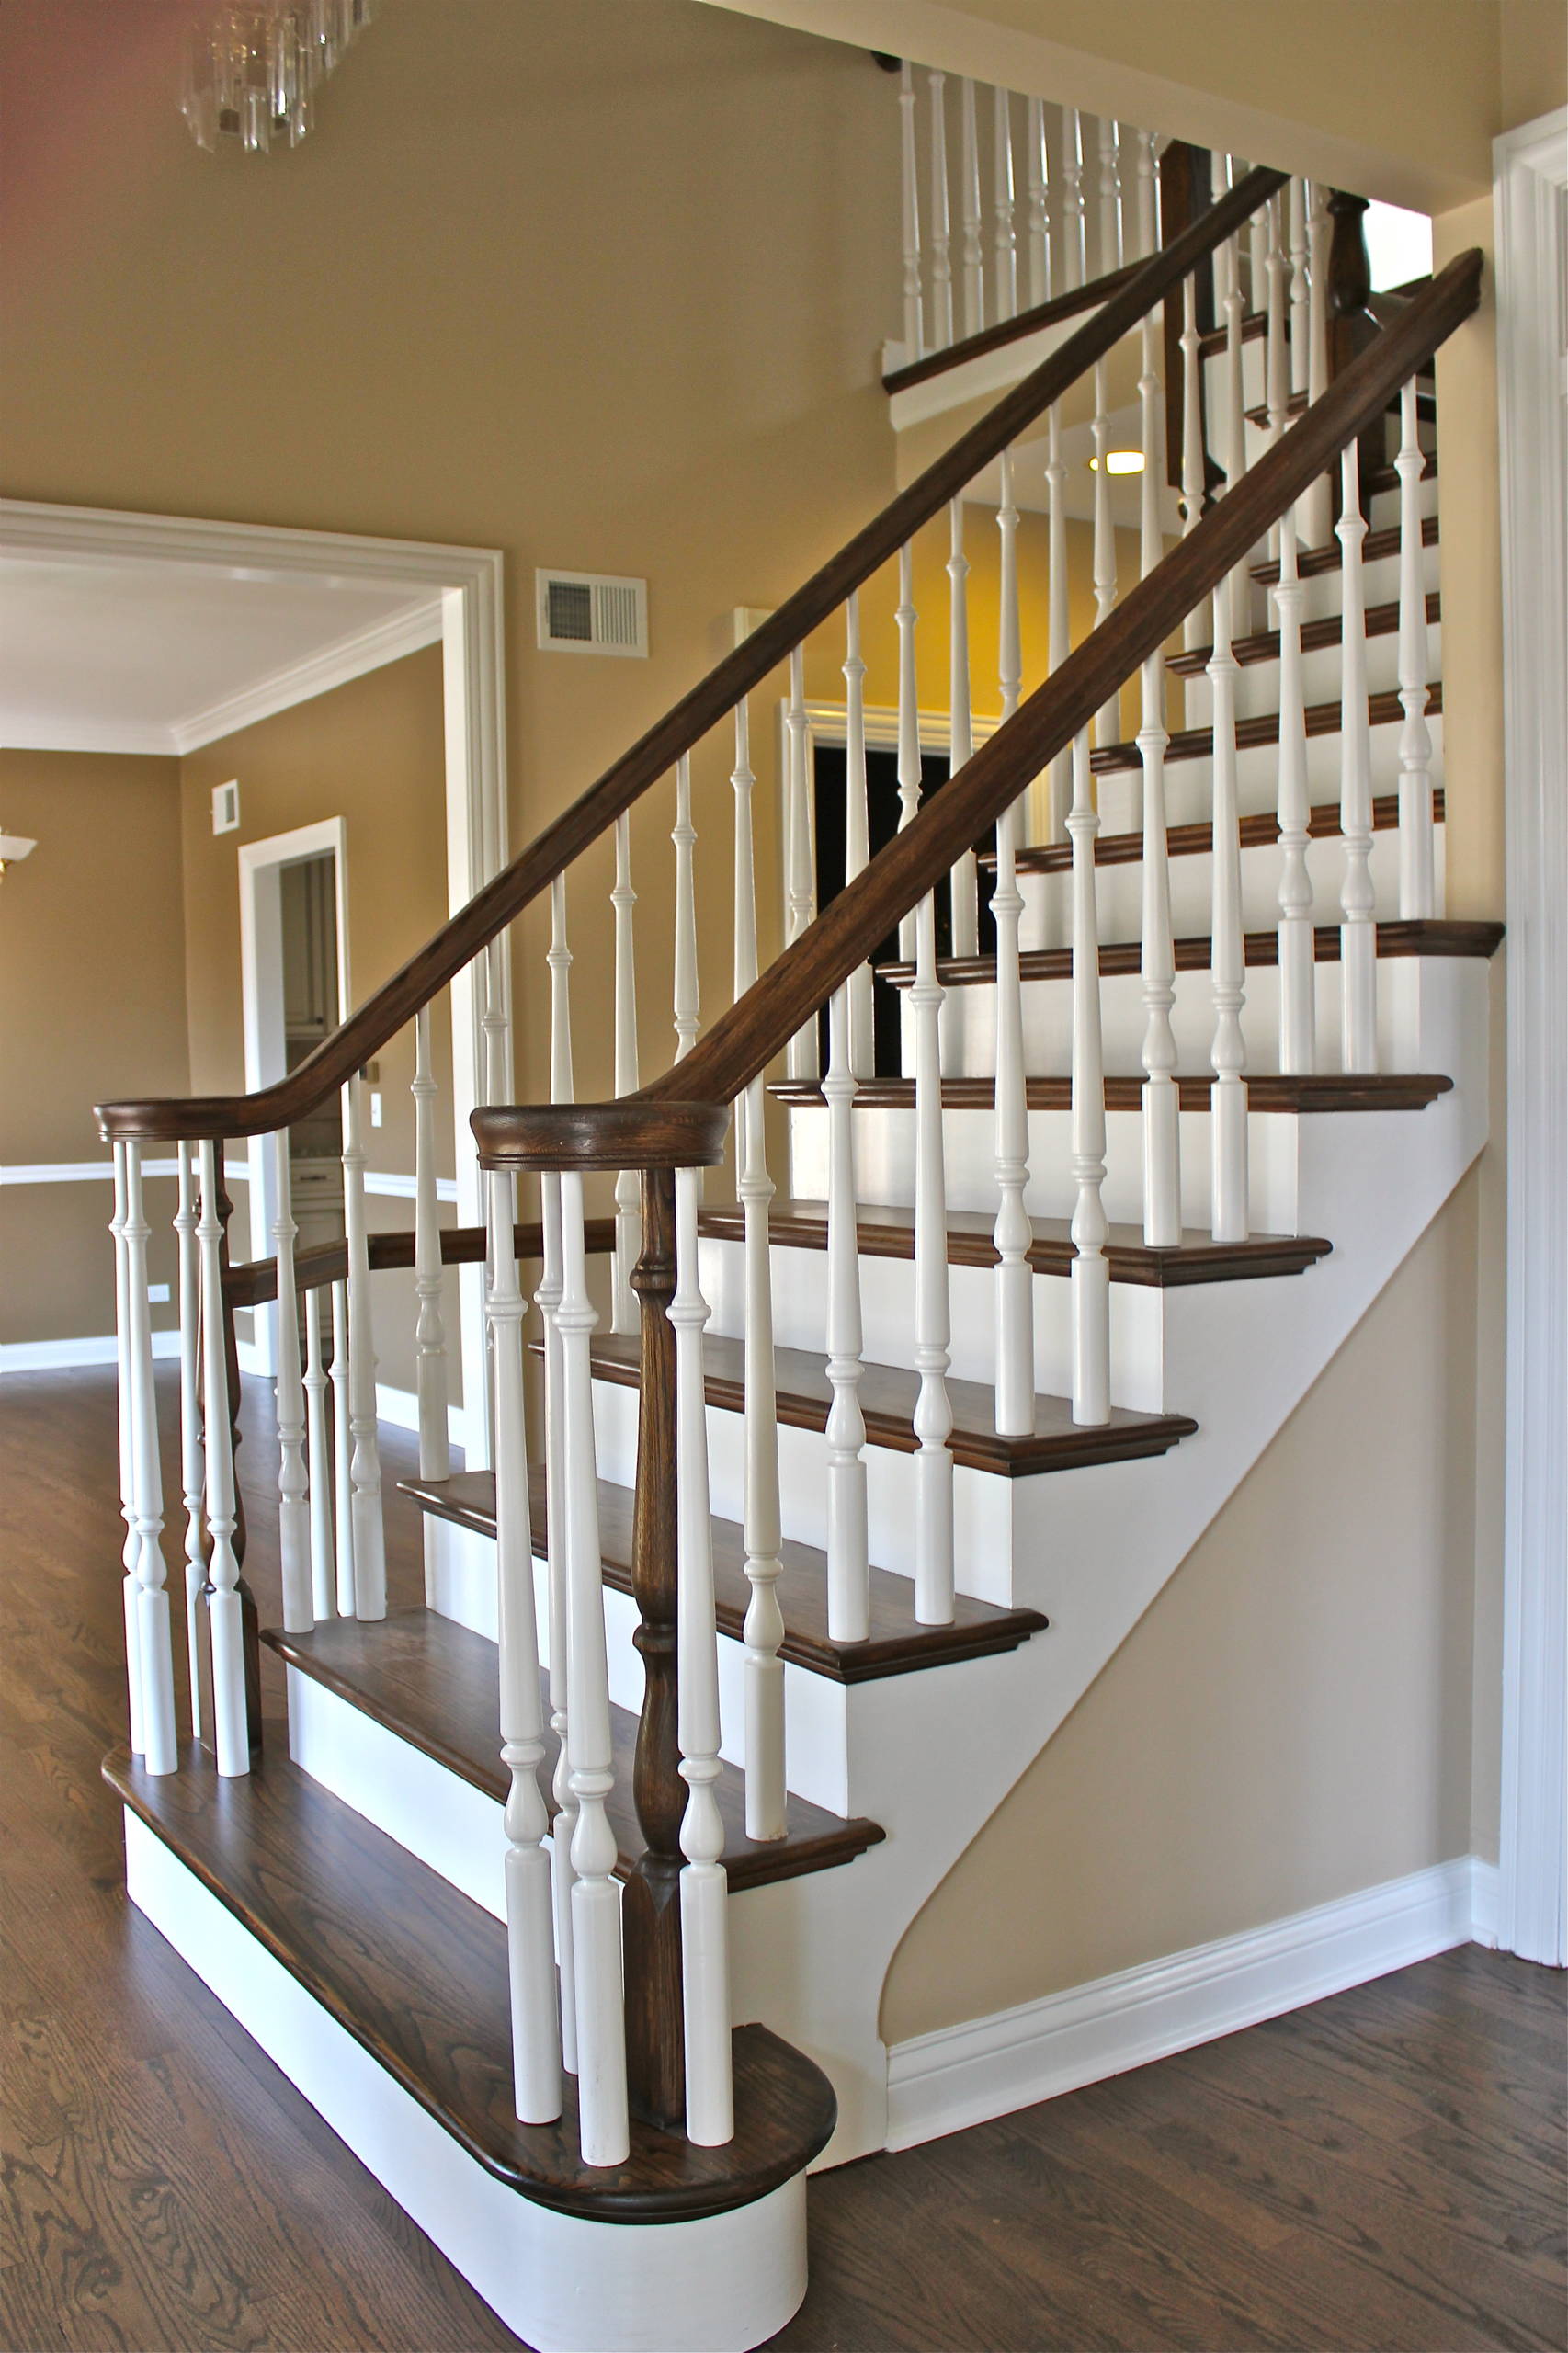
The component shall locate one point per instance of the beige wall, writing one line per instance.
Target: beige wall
(1289, 1723)
(92, 1005)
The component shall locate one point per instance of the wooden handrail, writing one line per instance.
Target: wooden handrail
(745, 1038)
(254, 1281)
(367, 1031)
(1007, 330)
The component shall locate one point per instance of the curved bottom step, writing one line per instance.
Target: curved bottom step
(382, 1993)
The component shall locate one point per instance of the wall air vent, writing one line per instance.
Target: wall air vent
(589, 612)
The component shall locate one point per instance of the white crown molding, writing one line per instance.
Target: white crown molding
(1532, 379)
(961, 2074)
(351, 657)
(61, 733)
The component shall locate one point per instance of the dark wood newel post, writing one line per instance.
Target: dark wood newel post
(655, 2054)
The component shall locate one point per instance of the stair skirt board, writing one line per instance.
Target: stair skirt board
(961, 2075)
(720, 2284)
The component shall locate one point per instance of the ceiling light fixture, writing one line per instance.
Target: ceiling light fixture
(1119, 461)
(253, 68)
(13, 847)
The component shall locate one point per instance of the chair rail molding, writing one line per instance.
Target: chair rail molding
(1531, 199)
(466, 584)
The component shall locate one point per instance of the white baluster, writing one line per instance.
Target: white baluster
(1005, 235)
(914, 328)
(190, 1418)
(1074, 256)
(1316, 511)
(1228, 1096)
(801, 896)
(318, 1454)
(848, 1585)
(1298, 1043)
(960, 732)
(1037, 186)
(1162, 1135)
(686, 997)
(293, 1483)
(968, 196)
(762, 1530)
(131, 1549)
(531, 1942)
(1107, 723)
(1060, 640)
(1359, 903)
(1091, 1270)
(1296, 265)
(1258, 259)
(908, 763)
(1148, 191)
(1232, 405)
(1150, 540)
(154, 1654)
(595, 1900)
(1194, 465)
(546, 1299)
(857, 831)
(1417, 877)
(628, 1183)
(933, 1318)
(225, 1627)
(1014, 1233)
(429, 1331)
(704, 1885)
(342, 1450)
(365, 1469)
(941, 249)
(1277, 360)
(562, 1088)
(1110, 200)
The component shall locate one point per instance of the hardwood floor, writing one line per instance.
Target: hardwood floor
(1381, 2171)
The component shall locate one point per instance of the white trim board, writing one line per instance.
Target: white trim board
(61, 1356)
(961, 2074)
(1532, 379)
(87, 1172)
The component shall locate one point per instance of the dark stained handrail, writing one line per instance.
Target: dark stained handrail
(502, 899)
(745, 1038)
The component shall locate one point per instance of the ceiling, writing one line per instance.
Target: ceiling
(158, 657)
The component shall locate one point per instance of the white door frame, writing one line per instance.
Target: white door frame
(261, 1000)
(464, 590)
(1532, 198)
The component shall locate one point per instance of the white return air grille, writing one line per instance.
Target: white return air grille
(589, 612)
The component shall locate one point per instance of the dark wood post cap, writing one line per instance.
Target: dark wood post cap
(630, 1134)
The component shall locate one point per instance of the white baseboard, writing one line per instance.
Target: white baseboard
(59, 1356)
(961, 2074)
(400, 1408)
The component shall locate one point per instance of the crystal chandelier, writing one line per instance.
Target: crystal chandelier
(253, 66)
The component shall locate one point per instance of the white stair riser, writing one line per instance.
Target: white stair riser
(969, 1019)
(887, 1307)
(982, 1500)
(1047, 920)
(815, 1706)
(1189, 783)
(885, 1163)
(1257, 683)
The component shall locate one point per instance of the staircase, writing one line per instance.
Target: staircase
(569, 1897)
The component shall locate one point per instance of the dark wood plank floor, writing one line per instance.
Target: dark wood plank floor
(1381, 2171)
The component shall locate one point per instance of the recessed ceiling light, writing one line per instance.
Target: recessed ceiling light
(1119, 461)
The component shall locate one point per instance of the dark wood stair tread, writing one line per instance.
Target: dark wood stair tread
(1329, 557)
(1258, 831)
(1420, 936)
(896, 1645)
(1252, 734)
(1266, 1091)
(1211, 343)
(887, 1231)
(1262, 646)
(433, 1682)
(417, 1974)
(888, 1395)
